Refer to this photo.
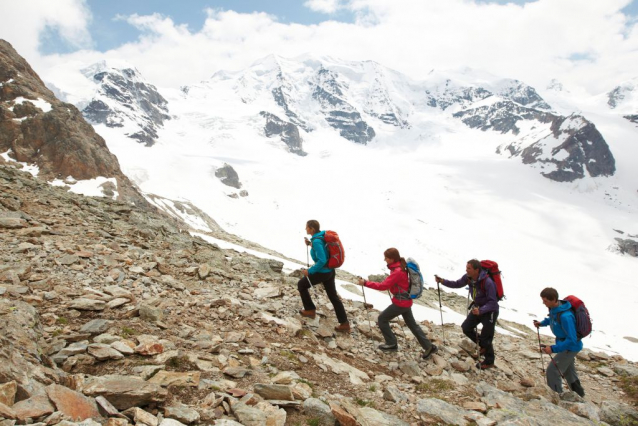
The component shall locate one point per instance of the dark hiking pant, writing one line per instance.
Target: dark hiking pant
(565, 362)
(328, 280)
(487, 333)
(394, 311)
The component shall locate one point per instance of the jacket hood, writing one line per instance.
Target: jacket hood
(564, 306)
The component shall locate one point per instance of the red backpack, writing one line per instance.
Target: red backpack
(583, 320)
(492, 270)
(336, 253)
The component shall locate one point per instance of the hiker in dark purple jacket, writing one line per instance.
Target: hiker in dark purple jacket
(484, 308)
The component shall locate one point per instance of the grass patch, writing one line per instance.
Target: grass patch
(307, 383)
(291, 356)
(315, 421)
(62, 321)
(629, 385)
(364, 402)
(435, 386)
(127, 332)
(373, 388)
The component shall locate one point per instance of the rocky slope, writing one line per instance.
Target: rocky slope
(38, 129)
(115, 317)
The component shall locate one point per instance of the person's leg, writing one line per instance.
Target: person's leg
(408, 317)
(487, 335)
(560, 364)
(469, 326)
(303, 285)
(331, 291)
(388, 314)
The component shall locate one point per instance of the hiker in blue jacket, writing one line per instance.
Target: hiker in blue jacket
(484, 309)
(320, 273)
(562, 321)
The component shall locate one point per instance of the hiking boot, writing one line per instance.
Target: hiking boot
(388, 348)
(311, 313)
(483, 365)
(344, 327)
(427, 354)
(576, 387)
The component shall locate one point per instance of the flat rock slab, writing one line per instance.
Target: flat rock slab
(34, 407)
(83, 304)
(281, 392)
(173, 378)
(124, 391)
(96, 326)
(8, 393)
(182, 413)
(102, 352)
(71, 403)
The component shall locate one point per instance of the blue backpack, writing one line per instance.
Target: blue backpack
(415, 278)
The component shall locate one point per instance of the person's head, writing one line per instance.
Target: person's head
(312, 227)
(473, 269)
(392, 255)
(549, 297)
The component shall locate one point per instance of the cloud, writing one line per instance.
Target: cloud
(323, 6)
(23, 24)
(534, 42)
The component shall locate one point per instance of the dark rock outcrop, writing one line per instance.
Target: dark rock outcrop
(628, 246)
(54, 135)
(633, 118)
(340, 115)
(125, 98)
(288, 132)
(228, 176)
(573, 147)
(501, 116)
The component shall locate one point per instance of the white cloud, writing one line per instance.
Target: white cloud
(323, 6)
(23, 23)
(534, 42)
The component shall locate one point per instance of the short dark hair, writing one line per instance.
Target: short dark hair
(474, 263)
(549, 294)
(314, 225)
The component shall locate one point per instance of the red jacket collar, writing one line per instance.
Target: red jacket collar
(391, 266)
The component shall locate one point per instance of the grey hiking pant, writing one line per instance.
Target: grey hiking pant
(394, 311)
(565, 362)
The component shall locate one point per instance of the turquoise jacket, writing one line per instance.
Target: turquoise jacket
(319, 254)
(564, 328)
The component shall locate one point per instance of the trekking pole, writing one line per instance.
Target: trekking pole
(441, 311)
(365, 305)
(540, 349)
(308, 267)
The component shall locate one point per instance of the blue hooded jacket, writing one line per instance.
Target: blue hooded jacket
(319, 254)
(564, 328)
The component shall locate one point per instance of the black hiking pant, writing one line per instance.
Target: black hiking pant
(394, 311)
(328, 280)
(487, 333)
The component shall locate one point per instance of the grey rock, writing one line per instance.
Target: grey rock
(182, 413)
(411, 368)
(391, 393)
(96, 326)
(281, 392)
(626, 370)
(151, 313)
(82, 304)
(615, 413)
(102, 352)
(249, 416)
(124, 391)
(316, 408)
(445, 412)
(287, 132)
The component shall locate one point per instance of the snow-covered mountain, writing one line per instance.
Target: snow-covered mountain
(124, 99)
(394, 161)
(624, 99)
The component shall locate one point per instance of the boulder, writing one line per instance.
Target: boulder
(72, 404)
(316, 408)
(124, 391)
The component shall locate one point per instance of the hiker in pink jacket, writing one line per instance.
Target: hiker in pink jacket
(398, 284)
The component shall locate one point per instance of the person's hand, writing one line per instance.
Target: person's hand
(537, 324)
(304, 272)
(438, 279)
(307, 241)
(547, 349)
(362, 281)
(475, 311)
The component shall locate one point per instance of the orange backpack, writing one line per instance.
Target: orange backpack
(336, 253)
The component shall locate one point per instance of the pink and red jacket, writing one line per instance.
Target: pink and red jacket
(397, 283)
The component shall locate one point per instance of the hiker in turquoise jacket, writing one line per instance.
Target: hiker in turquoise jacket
(562, 321)
(319, 273)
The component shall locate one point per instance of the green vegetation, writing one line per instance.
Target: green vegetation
(61, 321)
(364, 403)
(306, 382)
(315, 421)
(435, 386)
(127, 332)
(630, 386)
(373, 388)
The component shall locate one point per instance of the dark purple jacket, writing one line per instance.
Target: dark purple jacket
(482, 291)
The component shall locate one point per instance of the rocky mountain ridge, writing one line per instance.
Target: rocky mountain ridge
(112, 316)
(38, 129)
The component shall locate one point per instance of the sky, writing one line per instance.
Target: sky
(588, 44)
